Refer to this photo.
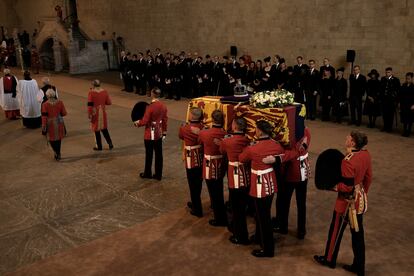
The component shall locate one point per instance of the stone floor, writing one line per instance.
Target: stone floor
(93, 210)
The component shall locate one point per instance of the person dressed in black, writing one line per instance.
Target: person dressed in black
(242, 71)
(168, 76)
(326, 90)
(207, 86)
(407, 104)
(140, 74)
(390, 87)
(46, 86)
(158, 74)
(327, 67)
(266, 75)
(339, 106)
(357, 89)
(257, 82)
(311, 90)
(372, 106)
(129, 74)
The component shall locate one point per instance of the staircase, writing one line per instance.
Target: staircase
(78, 36)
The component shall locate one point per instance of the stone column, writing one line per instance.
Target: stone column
(57, 54)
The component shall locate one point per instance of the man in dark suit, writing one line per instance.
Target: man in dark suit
(142, 81)
(217, 72)
(357, 90)
(390, 88)
(311, 90)
(327, 67)
(297, 69)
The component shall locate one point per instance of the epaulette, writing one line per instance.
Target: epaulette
(349, 156)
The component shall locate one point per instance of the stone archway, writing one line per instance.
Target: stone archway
(47, 59)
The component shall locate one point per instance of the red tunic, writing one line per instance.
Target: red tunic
(298, 169)
(356, 168)
(238, 174)
(192, 147)
(155, 121)
(263, 177)
(213, 167)
(96, 109)
(52, 119)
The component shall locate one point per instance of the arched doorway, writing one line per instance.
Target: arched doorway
(54, 56)
(47, 59)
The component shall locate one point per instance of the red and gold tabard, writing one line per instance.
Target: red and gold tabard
(155, 121)
(52, 119)
(213, 167)
(238, 173)
(298, 169)
(193, 150)
(97, 100)
(263, 177)
(357, 173)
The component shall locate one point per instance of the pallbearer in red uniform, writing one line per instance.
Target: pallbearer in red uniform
(296, 176)
(351, 204)
(98, 99)
(263, 184)
(238, 179)
(193, 151)
(214, 167)
(155, 122)
(53, 111)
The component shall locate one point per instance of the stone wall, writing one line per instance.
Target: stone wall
(381, 32)
(93, 58)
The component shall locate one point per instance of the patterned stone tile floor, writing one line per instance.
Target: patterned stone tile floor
(90, 199)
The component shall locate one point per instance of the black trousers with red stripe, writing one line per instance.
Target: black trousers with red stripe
(336, 231)
(238, 200)
(215, 189)
(264, 231)
(195, 182)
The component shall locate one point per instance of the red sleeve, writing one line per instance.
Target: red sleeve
(289, 155)
(90, 103)
(181, 132)
(146, 118)
(244, 157)
(63, 111)
(222, 147)
(348, 171)
(44, 115)
(200, 137)
(367, 178)
(165, 121)
(108, 99)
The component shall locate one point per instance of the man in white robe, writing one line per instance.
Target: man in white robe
(8, 99)
(30, 99)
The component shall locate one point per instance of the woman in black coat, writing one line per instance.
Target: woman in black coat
(339, 106)
(372, 106)
(326, 90)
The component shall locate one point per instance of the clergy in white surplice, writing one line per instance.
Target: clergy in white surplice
(30, 100)
(8, 99)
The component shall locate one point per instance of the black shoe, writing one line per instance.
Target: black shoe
(142, 175)
(259, 253)
(301, 236)
(322, 261)
(96, 148)
(280, 231)
(253, 239)
(157, 177)
(235, 240)
(111, 146)
(350, 268)
(216, 223)
(57, 157)
(199, 215)
(190, 204)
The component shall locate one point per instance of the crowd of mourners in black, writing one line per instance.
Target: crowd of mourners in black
(190, 75)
